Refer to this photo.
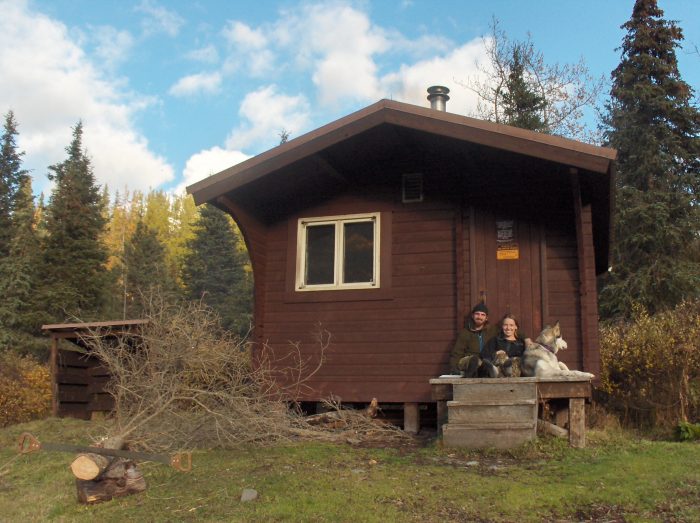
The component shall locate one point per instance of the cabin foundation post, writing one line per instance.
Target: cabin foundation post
(561, 417)
(577, 423)
(441, 415)
(411, 418)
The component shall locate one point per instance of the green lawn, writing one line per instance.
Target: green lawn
(617, 478)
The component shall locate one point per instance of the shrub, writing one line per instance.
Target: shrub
(687, 431)
(25, 389)
(650, 366)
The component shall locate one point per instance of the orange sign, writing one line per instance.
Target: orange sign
(506, 246)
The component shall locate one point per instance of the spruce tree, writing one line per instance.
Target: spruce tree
(12, 176)
(214, 270)
(19, 320)
(146, 270)
(516, 86)
(522, 106)
(655, 128)
(75, 276)
(19, 249)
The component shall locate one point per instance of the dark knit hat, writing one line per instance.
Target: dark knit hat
(480, 307)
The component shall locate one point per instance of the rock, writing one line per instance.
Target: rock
(472, 463)
(249, 494)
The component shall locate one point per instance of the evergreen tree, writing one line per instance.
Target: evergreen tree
(75, 276)
(655, 128)
(214, 270)
(19, 321)
(12, 177)
(19, 248)
(146, 270)
(522, 106)
(518, 87)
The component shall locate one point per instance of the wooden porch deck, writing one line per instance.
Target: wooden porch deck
(485, 393)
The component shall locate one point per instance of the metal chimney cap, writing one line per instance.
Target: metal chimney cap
(437, 95)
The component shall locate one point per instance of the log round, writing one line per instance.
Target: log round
(89, 466)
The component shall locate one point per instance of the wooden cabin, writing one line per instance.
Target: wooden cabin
(387, 225)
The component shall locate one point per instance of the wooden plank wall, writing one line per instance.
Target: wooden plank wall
(73, 380)
(80, 382)
(387, 347)
(562, 282)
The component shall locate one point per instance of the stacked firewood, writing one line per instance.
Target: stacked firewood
(101, 478)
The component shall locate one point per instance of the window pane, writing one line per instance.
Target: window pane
(358, 265)
(320, 249)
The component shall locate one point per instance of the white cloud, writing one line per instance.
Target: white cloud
(159, 19)
(208, 162)
(267, 113)
(410, 82)
(113, 46)
(249, 50)
(196, 83)
(207, 54)
(49, 83)
(339, 43)
(243, 36)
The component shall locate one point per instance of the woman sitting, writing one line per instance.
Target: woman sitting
(505, 350)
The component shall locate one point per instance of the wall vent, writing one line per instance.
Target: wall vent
(412, 188)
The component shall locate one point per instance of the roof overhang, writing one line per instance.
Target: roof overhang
(520, 141)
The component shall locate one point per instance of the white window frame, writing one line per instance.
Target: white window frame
(339, 254)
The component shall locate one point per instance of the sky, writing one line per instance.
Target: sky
(172, 91)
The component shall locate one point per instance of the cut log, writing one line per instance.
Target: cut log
(89, 466)
(121, 478)
(550, 428)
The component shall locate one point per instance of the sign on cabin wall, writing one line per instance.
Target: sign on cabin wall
(506, 244)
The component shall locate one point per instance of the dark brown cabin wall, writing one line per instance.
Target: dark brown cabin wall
(562, 286)
(384, 348)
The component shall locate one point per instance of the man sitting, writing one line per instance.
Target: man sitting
(466, 353)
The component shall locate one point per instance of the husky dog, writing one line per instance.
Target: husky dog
(540, 360)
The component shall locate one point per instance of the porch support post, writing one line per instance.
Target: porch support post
(577, 423)
(588, 298)
(411, 418)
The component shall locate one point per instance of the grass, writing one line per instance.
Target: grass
(618, 477)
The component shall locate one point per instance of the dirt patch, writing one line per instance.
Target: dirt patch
(602, 513)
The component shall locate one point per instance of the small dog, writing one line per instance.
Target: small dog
(540, 360)
(507, 367)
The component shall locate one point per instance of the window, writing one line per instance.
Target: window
(338, 252)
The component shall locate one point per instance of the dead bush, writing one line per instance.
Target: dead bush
(25, 389)
(183, 382)
(651, 366)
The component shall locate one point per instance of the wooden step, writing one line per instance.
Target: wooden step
(487, 414)
(478, 402)
(496, 390)
(502, 436)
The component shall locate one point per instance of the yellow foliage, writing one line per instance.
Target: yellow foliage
(25, 389)
(651, 365)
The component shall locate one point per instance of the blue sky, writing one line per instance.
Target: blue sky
(173, 91)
